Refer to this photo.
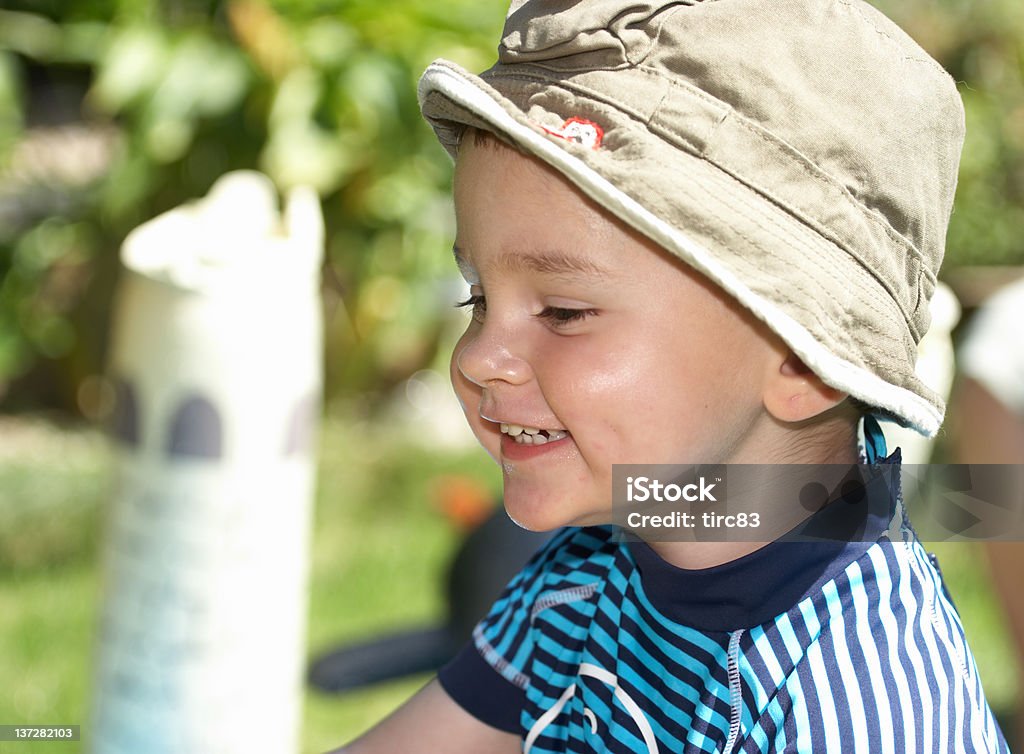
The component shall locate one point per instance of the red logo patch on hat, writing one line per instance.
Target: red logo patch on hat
(579, 130)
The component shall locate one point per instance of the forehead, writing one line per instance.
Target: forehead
(522, 215)
(484, 159)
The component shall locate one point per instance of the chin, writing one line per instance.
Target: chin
(535, 514)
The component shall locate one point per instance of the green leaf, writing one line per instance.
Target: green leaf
(130, 68)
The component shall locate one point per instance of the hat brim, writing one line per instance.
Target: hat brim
(807, 289)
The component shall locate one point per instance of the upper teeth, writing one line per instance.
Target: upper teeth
(532, 435)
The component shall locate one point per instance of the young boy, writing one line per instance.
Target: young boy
(698, 232)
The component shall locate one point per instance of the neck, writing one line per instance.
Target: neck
(770, 482)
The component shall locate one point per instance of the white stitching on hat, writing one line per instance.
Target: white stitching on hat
(867, 301)
(815, 172)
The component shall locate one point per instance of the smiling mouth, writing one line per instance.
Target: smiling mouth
(532, 435)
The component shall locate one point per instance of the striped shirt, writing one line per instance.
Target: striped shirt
(600, 645)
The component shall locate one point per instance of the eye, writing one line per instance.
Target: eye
(559, 317)
(479, 304)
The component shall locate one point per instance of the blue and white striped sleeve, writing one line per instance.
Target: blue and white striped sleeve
(489, 676)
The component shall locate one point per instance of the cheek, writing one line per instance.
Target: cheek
(634, 401)
(611, 388)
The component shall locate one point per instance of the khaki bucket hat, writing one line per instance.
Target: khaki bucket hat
(800, 153)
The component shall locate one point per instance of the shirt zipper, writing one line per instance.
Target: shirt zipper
(735, 692)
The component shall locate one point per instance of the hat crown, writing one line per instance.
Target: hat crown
(585, 34)
(834, 80)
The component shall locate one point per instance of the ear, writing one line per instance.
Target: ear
(793, 393)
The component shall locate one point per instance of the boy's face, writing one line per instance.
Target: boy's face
(585, 327)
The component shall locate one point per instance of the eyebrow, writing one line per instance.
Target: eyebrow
(549, 262)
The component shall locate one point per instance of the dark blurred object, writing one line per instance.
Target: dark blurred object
(488, 559)
(974, 285)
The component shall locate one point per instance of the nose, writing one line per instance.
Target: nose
(486, 356)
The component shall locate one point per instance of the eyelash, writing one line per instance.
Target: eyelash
(556, 316)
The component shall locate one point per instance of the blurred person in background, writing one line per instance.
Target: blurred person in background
(988, 427)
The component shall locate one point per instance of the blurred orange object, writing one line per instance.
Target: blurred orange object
(464, 500)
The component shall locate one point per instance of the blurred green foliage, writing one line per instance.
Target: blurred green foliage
(112, 111)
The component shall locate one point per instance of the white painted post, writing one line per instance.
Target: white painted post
(216, 362)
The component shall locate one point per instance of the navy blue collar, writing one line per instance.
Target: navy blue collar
(757, 587)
